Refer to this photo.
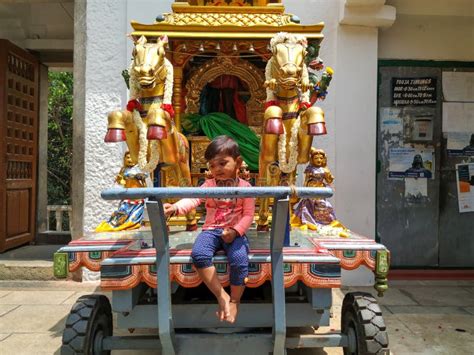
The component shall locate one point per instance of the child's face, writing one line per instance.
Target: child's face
(224, 166)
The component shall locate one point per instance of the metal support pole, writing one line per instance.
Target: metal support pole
(277, 236)
(161, 240)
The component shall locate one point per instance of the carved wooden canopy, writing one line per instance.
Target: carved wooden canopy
(245, 71)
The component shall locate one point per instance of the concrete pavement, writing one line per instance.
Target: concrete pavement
(423, 317)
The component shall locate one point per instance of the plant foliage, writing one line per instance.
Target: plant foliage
(60, 101)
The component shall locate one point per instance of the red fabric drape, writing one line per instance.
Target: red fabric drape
(240, 109)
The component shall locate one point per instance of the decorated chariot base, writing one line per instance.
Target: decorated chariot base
(127, 259)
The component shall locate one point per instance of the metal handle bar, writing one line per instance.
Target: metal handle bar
(156, 193)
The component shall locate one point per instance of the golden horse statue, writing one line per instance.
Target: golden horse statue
(289, 120)
(147, 125)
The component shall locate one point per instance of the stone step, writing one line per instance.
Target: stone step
(29, 262)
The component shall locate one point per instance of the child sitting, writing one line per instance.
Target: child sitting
(227, 220)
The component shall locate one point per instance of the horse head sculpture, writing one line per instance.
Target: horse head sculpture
(147, 124)
(149, 64)
(289, 120)
(151, 90)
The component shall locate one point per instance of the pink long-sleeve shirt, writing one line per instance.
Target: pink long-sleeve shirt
(236, 213)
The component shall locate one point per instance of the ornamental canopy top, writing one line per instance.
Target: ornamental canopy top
(226, 19)
(229, 2)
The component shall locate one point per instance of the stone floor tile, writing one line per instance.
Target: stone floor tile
(36, 297)
(449, 283)
(441, 333)
(392, 296)
(31, 343)
(337, 296)
(401, 340)
(469, 309)
(470, 289)
(439, 296)
(435, 310)
(35, 318)
(75, 296)
(3, 336)
(6, 308)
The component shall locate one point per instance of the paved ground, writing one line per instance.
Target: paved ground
(434, 317)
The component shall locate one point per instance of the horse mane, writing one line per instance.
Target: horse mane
(285, 37)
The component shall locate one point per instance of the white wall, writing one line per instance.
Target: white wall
(356, 105)
(434, 30)
(105, 58)
(312, 12)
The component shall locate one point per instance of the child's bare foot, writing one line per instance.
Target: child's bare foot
(234, 310)
(224, 308)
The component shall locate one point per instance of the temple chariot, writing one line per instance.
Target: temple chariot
(246, 69)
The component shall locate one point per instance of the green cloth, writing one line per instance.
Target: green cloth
(217, 124)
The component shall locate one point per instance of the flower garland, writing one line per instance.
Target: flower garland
(133, 82)
(143, 164)
(288, 166)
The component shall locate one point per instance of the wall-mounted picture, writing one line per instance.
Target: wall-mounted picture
(411, 163)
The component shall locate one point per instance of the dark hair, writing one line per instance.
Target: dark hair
(222, 145)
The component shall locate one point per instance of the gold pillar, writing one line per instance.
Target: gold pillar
(178, 79)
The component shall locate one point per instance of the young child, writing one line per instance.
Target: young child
(227, 220)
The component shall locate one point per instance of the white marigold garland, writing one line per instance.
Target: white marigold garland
(133, 83)
(143, 164)
(290, 165)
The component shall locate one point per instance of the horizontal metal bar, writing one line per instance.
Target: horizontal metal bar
(351, 246)
(131, 342)
(214, 192)
(317, 341)
(102, 247)
(294, 342)
(221, 259)
(187, 340)
(203, 315)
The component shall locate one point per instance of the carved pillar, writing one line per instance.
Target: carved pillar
(178, 79)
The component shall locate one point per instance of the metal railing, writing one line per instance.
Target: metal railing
(281, 196)
(59, 212)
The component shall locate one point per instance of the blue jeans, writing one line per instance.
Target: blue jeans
(208, 242)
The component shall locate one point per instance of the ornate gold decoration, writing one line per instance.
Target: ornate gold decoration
(149, 72)
(198, 147)
(244, 70)
(228, 19)
(184, 50)
(287, 87)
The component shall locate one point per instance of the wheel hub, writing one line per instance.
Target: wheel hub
(352, 340)
(99, 337)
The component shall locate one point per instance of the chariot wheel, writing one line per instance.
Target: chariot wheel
(88, 323)
(363, 324)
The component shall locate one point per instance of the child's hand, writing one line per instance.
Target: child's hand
(228, 235)
(169, 209)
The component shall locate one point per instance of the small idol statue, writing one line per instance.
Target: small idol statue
(244, 172)
(129, 214)
(315, 212)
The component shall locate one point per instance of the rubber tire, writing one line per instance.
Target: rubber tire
(90, 314)
(361, 312)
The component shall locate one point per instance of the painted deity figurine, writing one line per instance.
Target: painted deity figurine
(315, 212)
(129, 214)
(244, 172)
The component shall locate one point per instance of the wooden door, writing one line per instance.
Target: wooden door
(19, 84)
